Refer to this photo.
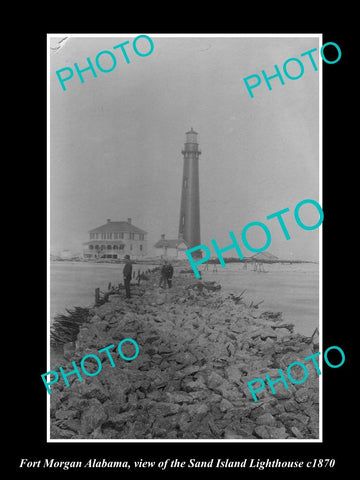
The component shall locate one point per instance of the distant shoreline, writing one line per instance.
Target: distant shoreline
(158, 261)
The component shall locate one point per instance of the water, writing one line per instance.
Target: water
(73, 283)
(291, 289)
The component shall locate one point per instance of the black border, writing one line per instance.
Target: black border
(338, 303)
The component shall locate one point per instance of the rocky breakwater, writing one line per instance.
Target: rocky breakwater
(198, 350)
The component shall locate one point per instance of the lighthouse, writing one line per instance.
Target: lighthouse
(189, 223)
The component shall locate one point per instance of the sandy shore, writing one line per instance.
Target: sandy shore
(198, 350)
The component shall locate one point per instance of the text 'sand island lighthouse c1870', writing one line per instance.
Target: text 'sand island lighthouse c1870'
(189, 224)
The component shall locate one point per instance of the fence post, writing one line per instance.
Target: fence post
(97, 296)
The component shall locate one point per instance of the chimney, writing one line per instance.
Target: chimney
(129, 220)
(163, 236)
(108, 220)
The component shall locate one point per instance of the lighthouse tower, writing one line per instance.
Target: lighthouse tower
(189, 224)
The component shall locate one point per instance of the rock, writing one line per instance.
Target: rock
(184, 421)
(275, 316)
(265, 431)
(95, 319)
(185, 358)
(283, 394)
(69, 350)
(238, 433)
(132, 398)
(163, 408)
(265, 419)
(56, 400)
(179, 397)
(200, 395)
(76, 401)
(214, 380)
(291, 406)
(154, 395)
(138, 429)
(229, 392)
(197, 410)
(297, 432)
(301, 395)
(290, 419)
(94, 389)
(269, 333)
(65, 414)
(72, 424)
(267, 345)
(235, 372)
(257, 411)
(60, 433)
(193, 385)
(225, 405)
(282, 332)
(92, 417)
(190, 370)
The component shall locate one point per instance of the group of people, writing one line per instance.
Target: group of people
(166, 274)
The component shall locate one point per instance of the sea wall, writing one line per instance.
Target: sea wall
(198, 350)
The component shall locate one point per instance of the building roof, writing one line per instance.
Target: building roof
(168, 243)
(104, 242)
(264, 256)
(110, 226)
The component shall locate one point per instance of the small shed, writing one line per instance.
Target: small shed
(171, 248)
(264, 257)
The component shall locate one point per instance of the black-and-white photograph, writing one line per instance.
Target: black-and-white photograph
(185, 238)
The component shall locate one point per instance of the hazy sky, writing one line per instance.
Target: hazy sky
(116, 140)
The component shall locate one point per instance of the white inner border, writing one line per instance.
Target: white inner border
(319, 36)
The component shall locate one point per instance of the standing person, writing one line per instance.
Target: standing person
(163, 275)
(127, 273)
(169, 274)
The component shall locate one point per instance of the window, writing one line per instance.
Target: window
(131, 247)
(121, 247)
(141, 247)
(115, 247)
(91, 247)
(141, 236)
(109, 247)
(96, 236)
(121, 234)
(115, 236)
(96, 247)
(109, 235)
(103, 236)
(131, 236)
(92, 235)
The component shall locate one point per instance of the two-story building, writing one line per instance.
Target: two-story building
(113, 240)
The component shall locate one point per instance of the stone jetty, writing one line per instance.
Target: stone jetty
(198, 349)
